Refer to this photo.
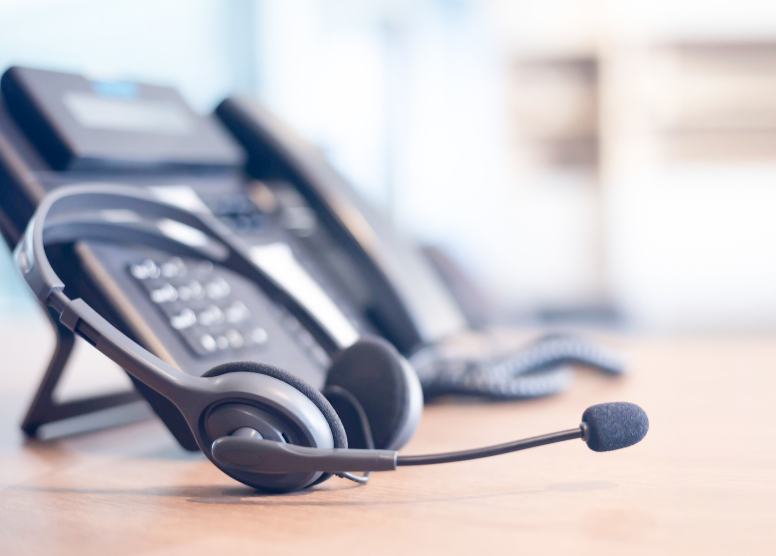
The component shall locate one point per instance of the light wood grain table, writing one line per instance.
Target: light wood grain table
(702, 482)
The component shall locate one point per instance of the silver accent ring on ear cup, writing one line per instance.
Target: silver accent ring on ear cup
(289, 408)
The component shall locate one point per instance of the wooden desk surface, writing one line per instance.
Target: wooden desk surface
(702, 482)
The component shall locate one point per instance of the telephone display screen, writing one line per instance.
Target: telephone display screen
(134, 115)
(79, 124)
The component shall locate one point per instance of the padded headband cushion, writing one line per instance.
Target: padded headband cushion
(371, 370)
(337, 430)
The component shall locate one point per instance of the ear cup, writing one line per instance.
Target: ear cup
(353, 417)
(337, 428)
(385, 386)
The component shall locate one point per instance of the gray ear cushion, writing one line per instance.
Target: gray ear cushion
(337, 429)
(371, 370)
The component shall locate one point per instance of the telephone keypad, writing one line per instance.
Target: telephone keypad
(199, 305)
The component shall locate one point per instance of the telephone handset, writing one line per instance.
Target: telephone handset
(385, 276)
(58, 129)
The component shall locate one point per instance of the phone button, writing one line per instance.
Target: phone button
(212, 315)
(183, 320)
(173, 268)
(165, 294)
(235, 338)
(191, 290)
(259, 336)
(207, 343)
(222, 342)
(218, 288)
(145, 270)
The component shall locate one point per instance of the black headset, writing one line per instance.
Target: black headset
(369, 380)
(261, 425)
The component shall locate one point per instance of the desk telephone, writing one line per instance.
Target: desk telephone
(303, 225)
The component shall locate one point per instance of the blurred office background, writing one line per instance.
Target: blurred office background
(584, 159)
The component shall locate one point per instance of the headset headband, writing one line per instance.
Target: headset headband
(54, 221)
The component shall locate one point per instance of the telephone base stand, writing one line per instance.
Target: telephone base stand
(45, 410)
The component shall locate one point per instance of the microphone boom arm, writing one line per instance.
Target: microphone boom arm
(449, 457)
(267, 456)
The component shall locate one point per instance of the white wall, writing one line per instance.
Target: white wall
(407, 99)
(690, 244)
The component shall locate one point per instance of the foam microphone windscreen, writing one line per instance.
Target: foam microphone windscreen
(612, 426)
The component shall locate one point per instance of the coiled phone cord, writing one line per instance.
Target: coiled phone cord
(541, 369)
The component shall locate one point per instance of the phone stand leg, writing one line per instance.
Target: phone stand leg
(44, 409)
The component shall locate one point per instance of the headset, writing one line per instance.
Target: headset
(261, 425)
